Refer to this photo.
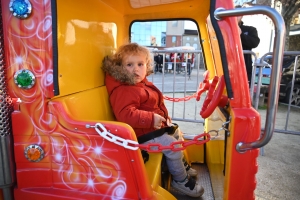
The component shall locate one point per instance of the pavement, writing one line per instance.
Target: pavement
(278, 175)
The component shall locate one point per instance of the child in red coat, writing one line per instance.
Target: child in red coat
(137, 102)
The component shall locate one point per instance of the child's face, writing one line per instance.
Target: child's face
(136, 65)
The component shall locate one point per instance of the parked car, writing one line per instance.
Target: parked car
(286, 78)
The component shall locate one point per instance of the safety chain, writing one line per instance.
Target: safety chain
(128, 144)
(220, 129)
(180, 145)
(181, 99)
(203, 86)
(134, 145)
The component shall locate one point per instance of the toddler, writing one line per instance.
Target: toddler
(137, 102)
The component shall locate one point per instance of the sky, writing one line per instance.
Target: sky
(190, 25)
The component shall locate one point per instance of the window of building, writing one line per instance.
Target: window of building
(195, 46)
(173, 41)
(163, 39)
(174, 23)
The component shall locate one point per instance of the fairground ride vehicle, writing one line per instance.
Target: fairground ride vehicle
(59, 137)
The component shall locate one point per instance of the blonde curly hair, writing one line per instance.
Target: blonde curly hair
(113, 64)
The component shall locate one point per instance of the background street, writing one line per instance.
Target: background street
(278, 176)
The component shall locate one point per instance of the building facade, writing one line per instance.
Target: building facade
(163, 34)
(149, 33)
(191, 38)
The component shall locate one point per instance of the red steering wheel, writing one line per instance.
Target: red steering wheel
(214, 97)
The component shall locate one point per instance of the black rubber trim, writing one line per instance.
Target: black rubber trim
(222, 49)
(227, 116)
(54, 47)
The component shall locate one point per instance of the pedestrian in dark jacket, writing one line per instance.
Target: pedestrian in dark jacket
(250, 40)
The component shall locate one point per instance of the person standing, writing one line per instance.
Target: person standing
(250, 40)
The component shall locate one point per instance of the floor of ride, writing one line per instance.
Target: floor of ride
(203, 178)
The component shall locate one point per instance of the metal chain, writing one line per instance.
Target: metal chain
(187, 98)
(153, 147)
(203, 86)
(181, 99)
(220, 129)
(176, 146)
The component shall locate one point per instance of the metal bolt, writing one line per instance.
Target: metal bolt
(89, 126)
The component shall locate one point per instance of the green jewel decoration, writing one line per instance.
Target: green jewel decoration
(24, 79)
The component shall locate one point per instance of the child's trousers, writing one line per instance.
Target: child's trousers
(173, 158)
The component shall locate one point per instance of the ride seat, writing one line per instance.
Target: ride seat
(93, 105)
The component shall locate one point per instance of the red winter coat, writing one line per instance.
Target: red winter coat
(136, 104)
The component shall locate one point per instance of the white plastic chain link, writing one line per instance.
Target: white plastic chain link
(134, 145)
(128, 144)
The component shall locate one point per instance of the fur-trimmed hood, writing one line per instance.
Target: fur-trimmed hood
(135, 104)
(117, 71)
(116, 76)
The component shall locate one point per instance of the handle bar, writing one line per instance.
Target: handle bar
(277, 59)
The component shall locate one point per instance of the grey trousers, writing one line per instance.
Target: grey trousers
(173, 158)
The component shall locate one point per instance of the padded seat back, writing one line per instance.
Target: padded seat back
(88, 105)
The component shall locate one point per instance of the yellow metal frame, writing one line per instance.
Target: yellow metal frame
(86, 34)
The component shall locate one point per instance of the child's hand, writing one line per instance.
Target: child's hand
(158, 121)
